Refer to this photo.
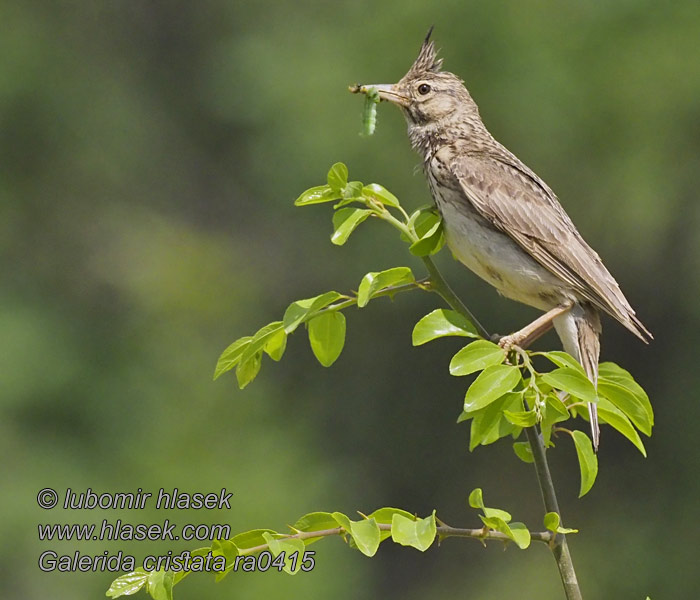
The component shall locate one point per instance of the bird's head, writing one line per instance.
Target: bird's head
(427, 95)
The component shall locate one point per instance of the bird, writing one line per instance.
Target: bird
(504, 222)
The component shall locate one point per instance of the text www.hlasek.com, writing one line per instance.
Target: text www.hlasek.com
(139, 532)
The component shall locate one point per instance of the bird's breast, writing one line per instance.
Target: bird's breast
(493, 255)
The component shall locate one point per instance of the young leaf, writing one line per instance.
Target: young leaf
(337, 177)
(384, 516)
(365, 533)
(492, 383)
(523, 452)
(231, 356)
(375, 282)
(315, 521)
(487, 420)
(551, 522)
(555, 412)
(515, 531)
(250, 539)
(128, 584)
(572, 381)
(317, 195)
(380, 194)
(440, 323)
(225, 548)
(299, 311)
(430, 243)
(613, 416)
(345, 220)
(248, 370)
(588, 461)
(419, 534)
(525, 418)
(269, 334)
(342, 519)
(476, 356)
(276, 345)
(289, 547)
(327, 336)
(476, 498)
(160, 585)
(352, 191)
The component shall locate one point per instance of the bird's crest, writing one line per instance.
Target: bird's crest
(427, 60)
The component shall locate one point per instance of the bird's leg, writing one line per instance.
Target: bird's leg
(528, 334)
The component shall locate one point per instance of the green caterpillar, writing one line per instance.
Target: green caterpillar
(369, 114)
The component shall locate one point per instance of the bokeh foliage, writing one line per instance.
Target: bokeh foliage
(151, 152)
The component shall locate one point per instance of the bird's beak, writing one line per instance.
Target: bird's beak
(386, 91)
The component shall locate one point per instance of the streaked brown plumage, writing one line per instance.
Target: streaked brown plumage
(502, 221)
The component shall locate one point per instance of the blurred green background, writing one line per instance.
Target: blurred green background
(150, 152)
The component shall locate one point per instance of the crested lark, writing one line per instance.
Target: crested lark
(503, 222)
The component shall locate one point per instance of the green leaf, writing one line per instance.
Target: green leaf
(327, 336)
(613, 416)
(520, 535)
(588, 461)
(365, 533)
(225, 548)
(431, 243)
(487, 420)
(375, 282)
(276, 345)
(289, 547)
(248, 370)
(555, 412)
(269, 334)
(525, 418)
(572, 382)
(515, 531)
(476, 498)
(298, 312)
(160, 585)
(231, 356)
(628, 402)
(250, 539)
(614, 373)
(440, 323)
(385, 516)
(128, 584)
(492, 383)
(380, 194)
(551, 522)
(317, 195)
(315, 521)
(337, 177)
(523, 452)
(476, 356)
(352, 191)
(342, 519)
(345, 220)
(562, 359)
(419, 534)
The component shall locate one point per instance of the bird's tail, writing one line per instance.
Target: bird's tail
(579, 330)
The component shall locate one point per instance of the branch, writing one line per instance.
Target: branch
(444, 531)
(441, 287)
(559, 547)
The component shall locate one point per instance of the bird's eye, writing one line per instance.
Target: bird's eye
(423, 89)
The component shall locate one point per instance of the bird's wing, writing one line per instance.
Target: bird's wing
(521, 205)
